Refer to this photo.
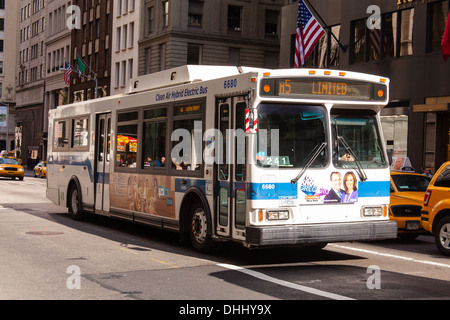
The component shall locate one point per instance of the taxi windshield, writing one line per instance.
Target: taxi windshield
(8, 161)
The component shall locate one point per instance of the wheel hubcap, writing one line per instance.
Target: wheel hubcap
(199, 229)
(444, 236)
(75, 201)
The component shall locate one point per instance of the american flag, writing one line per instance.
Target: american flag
(68, 71)
(309, 31)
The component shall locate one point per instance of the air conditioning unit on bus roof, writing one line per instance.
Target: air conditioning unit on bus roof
(180, 75)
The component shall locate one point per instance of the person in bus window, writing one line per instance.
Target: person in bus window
(163, 162)
(150, 162)
(350, 188)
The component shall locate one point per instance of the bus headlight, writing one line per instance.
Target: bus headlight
(278, 215)
(372, 211)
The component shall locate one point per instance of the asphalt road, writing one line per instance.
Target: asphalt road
(45, 255)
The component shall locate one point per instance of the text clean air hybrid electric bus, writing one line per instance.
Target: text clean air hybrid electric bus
(216, 153)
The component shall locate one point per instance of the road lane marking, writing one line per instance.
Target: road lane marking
(284, 283)
(387, 255)
(127, 250)
(166, 263)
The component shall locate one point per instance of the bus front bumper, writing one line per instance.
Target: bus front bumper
(320, 233)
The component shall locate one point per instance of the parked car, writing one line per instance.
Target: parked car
(407, 192)
(10, 167)
(40, 170)
(435, 213)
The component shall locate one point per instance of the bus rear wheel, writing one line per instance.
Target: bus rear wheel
(74, 203)
(199, 234)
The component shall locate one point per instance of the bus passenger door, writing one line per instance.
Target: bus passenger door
(231, 168)
(102, 161)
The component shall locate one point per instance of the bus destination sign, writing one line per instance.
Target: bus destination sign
(328, 89)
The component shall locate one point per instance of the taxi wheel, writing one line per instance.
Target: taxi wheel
(442, 236)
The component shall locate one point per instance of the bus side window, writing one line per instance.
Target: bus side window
(61, 134)
(154, 138)
(240, 141)
(127, 142)
(186, 153)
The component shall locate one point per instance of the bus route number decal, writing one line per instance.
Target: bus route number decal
(227, 84)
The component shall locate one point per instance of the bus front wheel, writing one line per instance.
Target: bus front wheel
(199, 234)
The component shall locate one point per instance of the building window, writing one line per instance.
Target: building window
(437, 19)
(234, 56)
(162, 57)
(165, 12)
(359, 40)
(194, 53)
(150, 18)
(195, 12)
(406, 32)
(118, 33)
(393, 39)
(325, 53)
(234, 18)
(271, 26)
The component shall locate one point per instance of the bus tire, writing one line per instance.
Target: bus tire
(74, 203)
(199, 235)
(442, 236)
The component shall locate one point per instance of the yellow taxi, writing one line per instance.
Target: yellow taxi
(10, 167)
(435, 213)
(407, 192)
(40, 170)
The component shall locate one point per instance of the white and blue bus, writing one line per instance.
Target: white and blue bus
(216, 153)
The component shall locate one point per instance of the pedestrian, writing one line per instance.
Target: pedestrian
(427, 172)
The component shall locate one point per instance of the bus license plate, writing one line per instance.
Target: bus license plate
(287, 202)
(412, 225)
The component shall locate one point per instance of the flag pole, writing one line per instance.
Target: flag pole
(343, 47)
(86, 76)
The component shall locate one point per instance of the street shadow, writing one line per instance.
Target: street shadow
(344, 280)
(140, 237)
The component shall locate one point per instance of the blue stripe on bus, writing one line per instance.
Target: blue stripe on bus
(273, 191)
(374, 189)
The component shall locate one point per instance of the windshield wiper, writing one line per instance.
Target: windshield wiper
(362, 175)
(313, 156)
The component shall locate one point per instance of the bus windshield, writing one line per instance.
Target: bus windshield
(289, 134)
(357, 141)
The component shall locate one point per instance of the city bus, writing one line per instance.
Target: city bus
(221, 153)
